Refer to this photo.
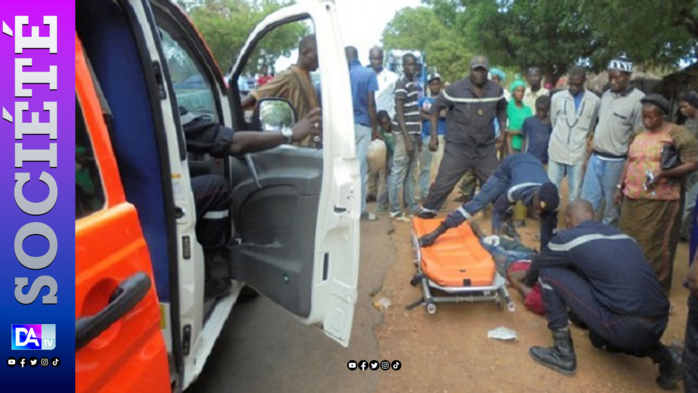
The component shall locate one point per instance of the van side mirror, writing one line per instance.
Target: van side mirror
(275, 113)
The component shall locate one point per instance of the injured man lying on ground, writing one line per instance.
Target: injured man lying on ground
(512, 260)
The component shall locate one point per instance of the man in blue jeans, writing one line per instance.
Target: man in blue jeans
(520, 177)
(603, 278)
(363, 88)
(407, 127)
(620, 114)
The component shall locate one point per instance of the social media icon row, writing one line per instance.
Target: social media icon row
(33, 362)
(374, 365)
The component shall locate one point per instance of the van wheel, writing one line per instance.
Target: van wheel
(247, 293)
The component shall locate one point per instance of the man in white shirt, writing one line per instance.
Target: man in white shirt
(573, 115)
(385, 101)
(534, 90)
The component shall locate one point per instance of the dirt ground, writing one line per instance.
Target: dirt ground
(450, 352)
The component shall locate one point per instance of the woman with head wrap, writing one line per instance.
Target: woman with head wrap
(517, 112)
(498, 76)
(661, 154)
(689, 108)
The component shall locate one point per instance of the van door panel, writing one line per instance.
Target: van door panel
(297, 213)
(277, 223)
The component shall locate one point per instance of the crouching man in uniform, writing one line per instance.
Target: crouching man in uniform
(520, 177)
(602, 276)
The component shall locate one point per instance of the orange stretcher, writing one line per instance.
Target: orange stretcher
(457, 265)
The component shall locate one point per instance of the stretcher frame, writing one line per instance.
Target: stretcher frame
(497, 292)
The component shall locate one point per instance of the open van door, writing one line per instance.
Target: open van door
(296, 209)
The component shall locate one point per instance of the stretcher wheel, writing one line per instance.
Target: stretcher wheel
(431, 308)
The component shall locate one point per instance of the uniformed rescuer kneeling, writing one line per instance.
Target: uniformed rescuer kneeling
(520, 177)
(602, 276)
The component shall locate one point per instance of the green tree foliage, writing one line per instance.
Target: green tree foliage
(420, 29)
(543, 33)
(655, 33)
(226, 25)
(555, 34)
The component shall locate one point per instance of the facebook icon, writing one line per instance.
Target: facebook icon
(363, 365)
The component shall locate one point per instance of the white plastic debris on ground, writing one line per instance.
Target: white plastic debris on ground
(502, 333)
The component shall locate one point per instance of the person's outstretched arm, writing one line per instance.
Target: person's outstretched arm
(253, 141)
(205, 136)
(494, 188)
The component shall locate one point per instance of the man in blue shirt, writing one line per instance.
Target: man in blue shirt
(427, 157)
(603, 278)
(363, 87)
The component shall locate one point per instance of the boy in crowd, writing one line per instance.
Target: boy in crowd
(385, 133)
(536, 130)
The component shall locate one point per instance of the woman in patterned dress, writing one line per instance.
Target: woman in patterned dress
(651, 205)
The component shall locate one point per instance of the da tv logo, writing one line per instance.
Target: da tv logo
(33, 337)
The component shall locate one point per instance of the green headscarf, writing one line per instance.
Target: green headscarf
(516, 84)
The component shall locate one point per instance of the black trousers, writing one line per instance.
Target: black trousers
(562, 288)
(690, 352)
(457, 160)
(213, 197)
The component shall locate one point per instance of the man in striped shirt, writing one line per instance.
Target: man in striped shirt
(473, 103)
(407, 127)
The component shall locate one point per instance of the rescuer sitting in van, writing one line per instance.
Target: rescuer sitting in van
(213, 193)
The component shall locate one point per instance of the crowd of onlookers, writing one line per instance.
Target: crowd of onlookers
(608, 168)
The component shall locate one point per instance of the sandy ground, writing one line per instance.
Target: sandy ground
(450, 352)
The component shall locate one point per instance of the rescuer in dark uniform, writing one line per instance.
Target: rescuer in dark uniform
(520, 177)
(602, 276)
